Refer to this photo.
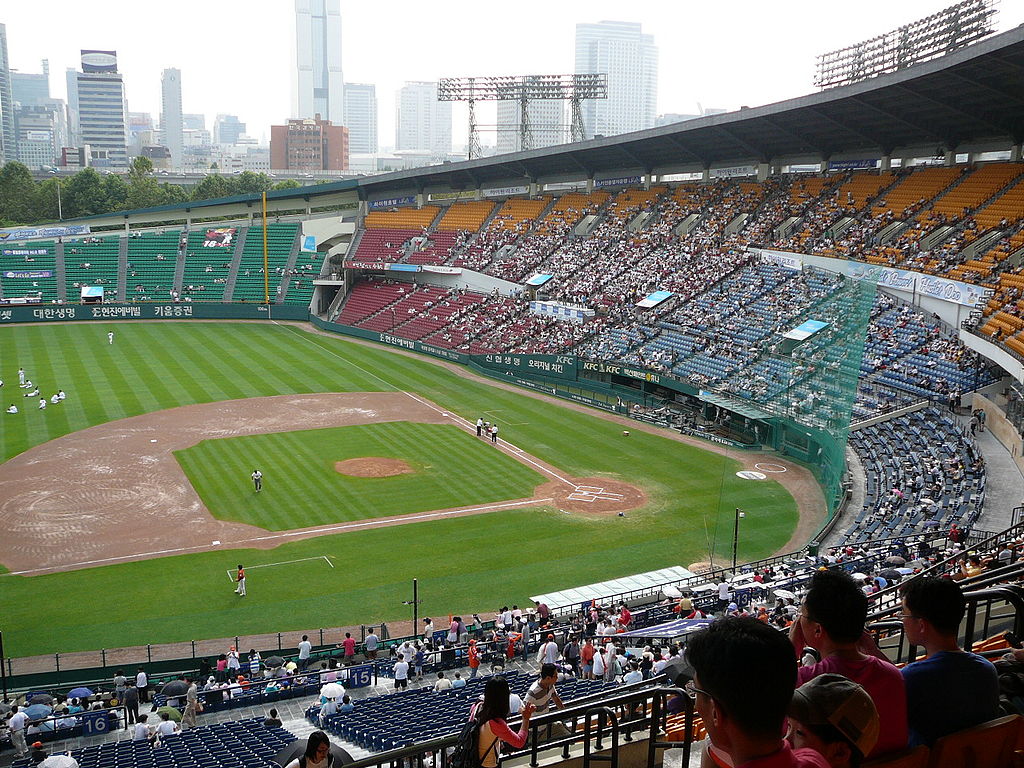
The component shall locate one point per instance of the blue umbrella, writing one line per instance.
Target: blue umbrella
(79, 693)
(38, 711)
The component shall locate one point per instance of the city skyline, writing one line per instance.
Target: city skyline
(782, 42)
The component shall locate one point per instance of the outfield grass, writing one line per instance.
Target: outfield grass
(451, 468)
(462, 564)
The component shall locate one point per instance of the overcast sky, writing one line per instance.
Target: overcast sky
(237, 56)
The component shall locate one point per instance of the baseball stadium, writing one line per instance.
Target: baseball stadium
(618, 372)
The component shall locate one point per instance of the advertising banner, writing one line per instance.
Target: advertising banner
(505, 191)
(391, 202)
(562, 366)
(24, 251)
(621, 181)
(735, 170)
(38, 233)
(28, 274)
(219, 238)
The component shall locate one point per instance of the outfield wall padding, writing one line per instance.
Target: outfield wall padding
(150, 311)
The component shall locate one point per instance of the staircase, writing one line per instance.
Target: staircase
(286, 278)
(236, 259)
(179, 268)
(122, 270)
(61, 272)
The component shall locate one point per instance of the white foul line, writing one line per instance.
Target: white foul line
(292, 534)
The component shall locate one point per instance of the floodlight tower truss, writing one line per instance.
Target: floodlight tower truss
(524, 89)
(944, 32)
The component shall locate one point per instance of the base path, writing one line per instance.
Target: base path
(115, 492)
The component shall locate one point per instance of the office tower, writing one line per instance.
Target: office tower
(8, 143)
(227, 129)
(41, 132)
(422, 122)
(310, 145)
(317, 84)
(171, 119)
(361, 118)
(630, 60)
(102, 120)
(194, 122)
(546, 119)
(74, 137)
(31, 89)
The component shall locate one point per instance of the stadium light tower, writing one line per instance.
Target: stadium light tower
(944, 32)
(523, 89)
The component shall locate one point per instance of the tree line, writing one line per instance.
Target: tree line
(25, 201)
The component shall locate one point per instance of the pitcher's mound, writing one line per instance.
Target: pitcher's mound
(372, 466)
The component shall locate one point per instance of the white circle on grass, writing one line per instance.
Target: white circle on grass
(769, 467)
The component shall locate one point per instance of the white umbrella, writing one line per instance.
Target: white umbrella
(671, 591)
(860, 576)
(332, 691)
(59, 761)
(784, 593)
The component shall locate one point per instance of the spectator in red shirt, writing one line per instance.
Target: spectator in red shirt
(349, 644)
(474, 659)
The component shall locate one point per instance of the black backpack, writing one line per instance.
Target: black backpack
(465, 754)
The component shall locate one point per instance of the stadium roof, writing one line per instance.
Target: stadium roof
(640, 582)
(973, 95)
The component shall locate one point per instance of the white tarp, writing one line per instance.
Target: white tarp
(650, 581)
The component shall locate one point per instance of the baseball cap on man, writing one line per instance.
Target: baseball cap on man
(839, 702)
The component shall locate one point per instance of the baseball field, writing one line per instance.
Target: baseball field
(125, 508)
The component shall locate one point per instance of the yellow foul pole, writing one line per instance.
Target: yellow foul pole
(266, 260)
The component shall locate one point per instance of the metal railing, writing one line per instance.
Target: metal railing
(600, 724)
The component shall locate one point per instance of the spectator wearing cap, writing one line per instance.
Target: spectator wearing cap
(836, 718)
(831, 621)
(932, 611)
(37, 754)
(744, 721)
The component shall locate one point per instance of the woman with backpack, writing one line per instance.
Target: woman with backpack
(317, 754)
(490, 717)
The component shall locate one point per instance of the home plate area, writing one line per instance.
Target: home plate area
(594, 495)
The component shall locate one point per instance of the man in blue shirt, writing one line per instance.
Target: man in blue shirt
(951, 689)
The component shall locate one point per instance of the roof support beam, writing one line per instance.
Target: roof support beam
(890, 115)
(873, 140)
(954, 107)
(757, 153)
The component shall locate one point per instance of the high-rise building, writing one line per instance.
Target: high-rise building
(227, 129)
(194, 122)
(141, 132)
(101, 113)
(71, 77)
(422, 122)
(310, 145)
(630, 59)
(318, 85)
(361, 118)
(8, 142)
(41, 132)
(31, 89)
(546, 119)
(171, 120)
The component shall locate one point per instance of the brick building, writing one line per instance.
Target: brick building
(309, 145)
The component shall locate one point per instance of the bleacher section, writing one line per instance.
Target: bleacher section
(465, 216)
(923, 472)
(408, 717)
(240, 744)
(91, 261)
(152, 260)
(45, 288)
(206, 269)
(249, 285)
